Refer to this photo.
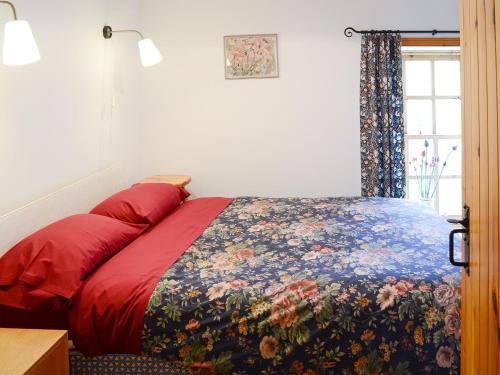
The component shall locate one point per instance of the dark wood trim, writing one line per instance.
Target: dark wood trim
(431, 42)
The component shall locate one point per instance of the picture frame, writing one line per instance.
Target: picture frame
(251, 56)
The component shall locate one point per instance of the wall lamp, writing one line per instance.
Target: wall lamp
(149, 53)
(19, 46)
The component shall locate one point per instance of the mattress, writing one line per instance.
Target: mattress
(305, 286)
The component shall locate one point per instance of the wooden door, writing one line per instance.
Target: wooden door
(480, 41)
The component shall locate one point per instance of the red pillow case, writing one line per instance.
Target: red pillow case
(142, 203)
(57, 258)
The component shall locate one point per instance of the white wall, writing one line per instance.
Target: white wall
(88, 103)
(75, 112)
(297, 135)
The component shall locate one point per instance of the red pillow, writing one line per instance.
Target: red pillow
(57, 258)
(142, 203)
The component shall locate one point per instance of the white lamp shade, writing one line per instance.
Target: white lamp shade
(149, 53)
(19, 46)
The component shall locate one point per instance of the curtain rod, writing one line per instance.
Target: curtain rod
(349, 31)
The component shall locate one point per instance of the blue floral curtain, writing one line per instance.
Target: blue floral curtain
(382, 124)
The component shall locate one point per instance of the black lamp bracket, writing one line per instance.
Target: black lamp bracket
(108, 32)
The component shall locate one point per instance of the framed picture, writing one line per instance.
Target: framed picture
(251, 56)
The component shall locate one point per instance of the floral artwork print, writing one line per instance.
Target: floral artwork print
(251, 56)
(382, 121)
(354, 286)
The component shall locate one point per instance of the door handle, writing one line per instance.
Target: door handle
(452, 249)
(465, 231)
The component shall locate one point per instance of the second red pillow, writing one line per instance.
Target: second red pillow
(142, 203)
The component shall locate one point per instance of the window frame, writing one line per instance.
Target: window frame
(432, 56)
(431, 42)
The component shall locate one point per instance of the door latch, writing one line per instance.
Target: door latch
(465, 231)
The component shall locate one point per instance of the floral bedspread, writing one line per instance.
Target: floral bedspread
(312, 286)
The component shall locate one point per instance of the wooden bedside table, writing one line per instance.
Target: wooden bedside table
(174, 179)
(33, 352)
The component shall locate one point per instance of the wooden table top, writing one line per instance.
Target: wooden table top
(20, 349)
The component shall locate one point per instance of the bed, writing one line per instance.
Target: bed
(271, 286)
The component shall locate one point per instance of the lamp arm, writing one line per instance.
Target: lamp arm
(129, 31)
(108, 32)
(11, 7)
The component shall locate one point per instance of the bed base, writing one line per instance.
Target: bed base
(118, 364)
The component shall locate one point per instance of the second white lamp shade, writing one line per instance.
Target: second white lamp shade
(149, 53)
(19, 46)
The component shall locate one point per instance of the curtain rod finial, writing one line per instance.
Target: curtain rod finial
(348, 32)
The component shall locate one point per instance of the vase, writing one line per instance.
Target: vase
(429, 202)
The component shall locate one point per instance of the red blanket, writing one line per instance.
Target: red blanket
(108, 311)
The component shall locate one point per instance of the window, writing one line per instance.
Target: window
(433, 119)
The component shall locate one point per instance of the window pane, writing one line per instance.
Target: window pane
(448, 116)
(450, 197)
(433, 110)
(413, 190)
(418, 78)
(447, 76)
(454, 163)
(419, 117)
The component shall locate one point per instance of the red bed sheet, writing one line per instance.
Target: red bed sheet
(108, 311)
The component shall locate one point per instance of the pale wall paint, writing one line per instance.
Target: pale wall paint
(75, 112)
(79, 109)
(293, 136)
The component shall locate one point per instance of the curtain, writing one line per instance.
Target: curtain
(382, 123)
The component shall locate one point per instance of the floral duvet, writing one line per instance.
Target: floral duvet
(312, 286)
